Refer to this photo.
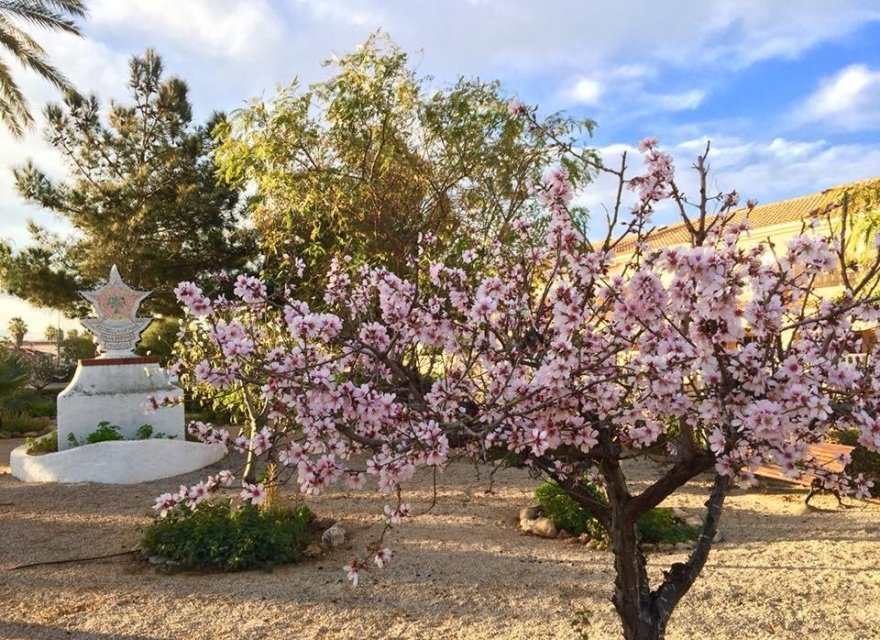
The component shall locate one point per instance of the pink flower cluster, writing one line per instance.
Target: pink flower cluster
(562, 352)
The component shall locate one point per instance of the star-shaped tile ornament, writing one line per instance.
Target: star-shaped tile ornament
(116, 326)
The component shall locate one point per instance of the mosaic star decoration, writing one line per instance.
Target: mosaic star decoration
(116, 326)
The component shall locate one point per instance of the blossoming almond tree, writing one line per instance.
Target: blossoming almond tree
(570, 354)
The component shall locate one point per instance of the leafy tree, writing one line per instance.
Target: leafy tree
(371, 159)
(18, 330)
(158, 339)
(55, 15)
(76, 347)
(53, 333)
(142, 193)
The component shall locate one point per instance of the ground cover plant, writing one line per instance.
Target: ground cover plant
(220, 535)
(567, 353)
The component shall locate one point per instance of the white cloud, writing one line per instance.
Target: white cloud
(584, 91)
(209, 28)
(684, 101)
(848, 100)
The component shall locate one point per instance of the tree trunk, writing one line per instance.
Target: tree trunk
(632, 594)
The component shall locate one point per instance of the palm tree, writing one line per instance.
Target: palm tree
(17, 329)
(56, 15)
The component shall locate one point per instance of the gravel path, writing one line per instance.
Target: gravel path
(460, 571)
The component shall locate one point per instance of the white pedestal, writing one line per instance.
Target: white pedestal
(116, 462)
(118, 391)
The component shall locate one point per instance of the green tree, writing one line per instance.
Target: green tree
(55, 15)
(370, 159)
(158, 339)
(53, 333)
(17, 329)
(74, 348)
(142, 193)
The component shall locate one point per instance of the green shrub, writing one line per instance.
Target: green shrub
(19, 423)
(43, 409)
(863, 461)
(218, 536)
(103, 433)
(658, 525)
(565, 512)
(145, 432)
(43, 444)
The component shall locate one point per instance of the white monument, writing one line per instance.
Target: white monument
(118, 386)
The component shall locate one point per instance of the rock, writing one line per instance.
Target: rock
(584, 538)
(684, 546)
(719, 537)
(334, 536)
(564, 535)
(571, 540)
(525, 524)
(31, 434)
(679, 513)
(544, 528)
(4, 435)
(313, 550)
(158, 560)
(694, 521)
(530, 513)
(665, 547)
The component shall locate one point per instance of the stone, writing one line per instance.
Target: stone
(718, 537)
(530, 513)
(334, 536)
(694, 521)
(564, 535)
(313, 550)
(584, 538)
(525, 524)
(544, 528)
(679, 513)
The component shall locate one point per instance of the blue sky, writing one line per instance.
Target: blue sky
(788, 91)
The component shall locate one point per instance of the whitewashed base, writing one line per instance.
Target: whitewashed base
(118, 392)
(115, 462)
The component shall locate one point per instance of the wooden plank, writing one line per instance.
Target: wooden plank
(825, 455)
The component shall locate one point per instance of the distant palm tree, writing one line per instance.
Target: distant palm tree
(56, 15)
(17, 329)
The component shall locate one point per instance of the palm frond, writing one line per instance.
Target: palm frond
(43, 13)
(30, 54)
(14, 112)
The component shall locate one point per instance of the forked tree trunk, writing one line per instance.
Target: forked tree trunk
(645, 613)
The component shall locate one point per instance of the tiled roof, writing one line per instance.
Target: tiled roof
(763, 215)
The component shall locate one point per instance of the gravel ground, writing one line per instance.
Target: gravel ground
(460, 571)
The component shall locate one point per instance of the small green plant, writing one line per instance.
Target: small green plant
(580, 622)
(565, 512)
(215, 535)
(103, 433)
(71, 440)
(658, 525)
(145, 432)
(41, 445)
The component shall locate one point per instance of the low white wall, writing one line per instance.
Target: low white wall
(115, 462)
(118, 393)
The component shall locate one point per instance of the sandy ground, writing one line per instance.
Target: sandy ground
(461, 571)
